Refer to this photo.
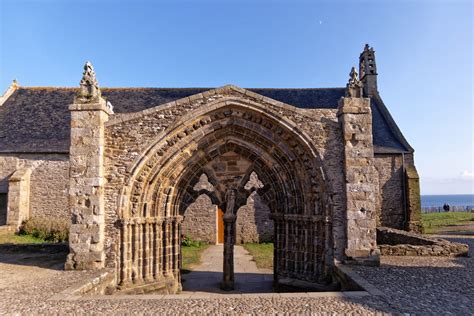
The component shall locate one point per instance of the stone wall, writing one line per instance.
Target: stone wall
(49, 186)
(413, 204)
(253, 222)
(48, 182)
(200, 222)
(18, 204)
(391, 199)
(8, 165)
(394, 242)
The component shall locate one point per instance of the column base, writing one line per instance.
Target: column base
(89, 261)
(227, 286)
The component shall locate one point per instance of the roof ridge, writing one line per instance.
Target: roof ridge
(180, 88)
(330, 88)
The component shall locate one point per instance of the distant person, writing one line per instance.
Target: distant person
(446, 207)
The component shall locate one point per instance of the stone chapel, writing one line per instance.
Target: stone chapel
(136, 170)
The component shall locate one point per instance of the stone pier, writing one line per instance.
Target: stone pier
(361, 177)
(86, 172)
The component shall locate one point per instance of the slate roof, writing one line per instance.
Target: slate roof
(38, 120)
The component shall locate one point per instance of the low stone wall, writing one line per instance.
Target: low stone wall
(394, 242)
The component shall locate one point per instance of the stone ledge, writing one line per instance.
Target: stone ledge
(352, 280)
(394, 242)
(98, 284)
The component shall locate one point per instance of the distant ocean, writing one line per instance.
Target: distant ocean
(451, 200)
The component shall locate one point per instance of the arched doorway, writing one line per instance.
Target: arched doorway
(163, 181)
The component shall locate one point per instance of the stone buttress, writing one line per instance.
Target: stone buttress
(86, 187)
(361, 177)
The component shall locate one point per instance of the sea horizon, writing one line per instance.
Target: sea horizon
(438, 200)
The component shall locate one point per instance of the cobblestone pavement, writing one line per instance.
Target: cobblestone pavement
(426, 285)
(411, 285)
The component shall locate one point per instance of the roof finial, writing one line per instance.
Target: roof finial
(354, 86)
(367, 48)
(15, 84)
(89, 87)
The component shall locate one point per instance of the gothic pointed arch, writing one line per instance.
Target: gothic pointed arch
(163, 177)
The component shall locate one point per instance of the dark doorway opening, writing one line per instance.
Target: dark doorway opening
(3, 208)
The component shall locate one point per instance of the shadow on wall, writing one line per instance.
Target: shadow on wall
(391, 186)
(253, 222)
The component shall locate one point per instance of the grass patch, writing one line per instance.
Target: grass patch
(262, 254)
(9, 237)
(49, 229)
(434, 222)
(191, 255)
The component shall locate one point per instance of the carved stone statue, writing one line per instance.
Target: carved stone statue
(230, 197)
(89, 87)
(354, 86)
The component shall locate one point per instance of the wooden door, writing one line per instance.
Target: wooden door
(220, 226)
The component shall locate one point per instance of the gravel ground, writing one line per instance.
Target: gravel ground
(424, 286)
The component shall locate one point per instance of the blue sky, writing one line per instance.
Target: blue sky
(424, 52)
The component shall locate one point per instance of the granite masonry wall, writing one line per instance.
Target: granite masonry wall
(49, 186)
(200, 222)
(48, 182)
(253, 222)
(391, 186)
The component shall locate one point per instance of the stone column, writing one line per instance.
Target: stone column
(18, 198)
(361, 177)
(86, 176)
(412, 182)
(229, 241)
